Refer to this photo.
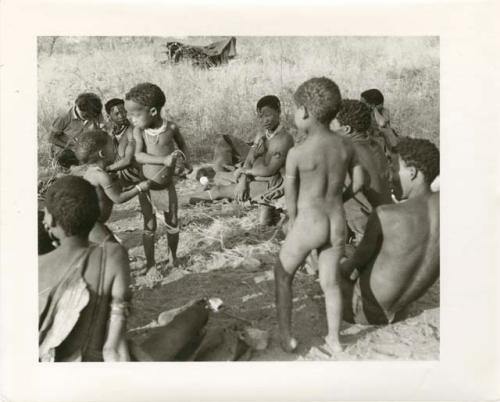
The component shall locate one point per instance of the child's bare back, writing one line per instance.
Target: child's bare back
(322, 161)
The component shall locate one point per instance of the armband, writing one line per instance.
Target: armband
(138, 188)
(119, 308)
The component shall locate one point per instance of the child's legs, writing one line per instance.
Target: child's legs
(293, 253)
(148, 234)
(329, 278)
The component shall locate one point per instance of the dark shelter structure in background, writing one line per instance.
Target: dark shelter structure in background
(212, 55)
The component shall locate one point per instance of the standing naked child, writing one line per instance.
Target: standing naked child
(95, 151)
(315, 174)
(155, 140)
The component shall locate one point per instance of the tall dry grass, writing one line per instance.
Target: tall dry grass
(222, 100)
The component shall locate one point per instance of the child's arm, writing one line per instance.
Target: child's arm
(276, 161)
(113, 190)
(143, 157)
(291, 185)
(368, 246)
(181, 143)
(115, 346)
(358, 178)
(127, 159)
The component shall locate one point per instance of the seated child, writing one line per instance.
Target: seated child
(83, 288)
(121, 131)
(83, 116)
(316, 171)
(353, 121)
(95, 152)
(380, 122)
(398, 258)
(155, 140)
(260, 179)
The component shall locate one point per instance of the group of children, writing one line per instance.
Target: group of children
(334, 182)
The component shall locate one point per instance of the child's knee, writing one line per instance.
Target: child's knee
(150, 225)
(328, 279)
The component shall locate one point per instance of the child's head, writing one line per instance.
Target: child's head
(268, 110)
(94, 146)
(316, 99)
(71, 207)
(373, 98)
(89, 106)
(353, 116)
(144, 103)
(115, 108)
(418, 160)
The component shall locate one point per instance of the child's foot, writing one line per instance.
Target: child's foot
(289, 345)
(332, 345)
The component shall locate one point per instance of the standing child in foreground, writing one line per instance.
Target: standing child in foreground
(95, 152)
(155, 140)
(315, 174)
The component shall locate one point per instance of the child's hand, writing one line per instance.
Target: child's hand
(241, 191)
(145, 185)
(170, 160)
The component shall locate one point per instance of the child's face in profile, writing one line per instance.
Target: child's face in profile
(141, 116)
(269, 118)
(118, 114)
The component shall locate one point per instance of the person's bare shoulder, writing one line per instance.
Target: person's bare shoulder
(117, 257)
(172, 126)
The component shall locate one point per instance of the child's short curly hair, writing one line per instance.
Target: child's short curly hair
(147, 94)
(89, 144)
(73, 203)
(112, 103)
(355, 114)
(421, 154)
(271, 101)
(89, 103)
(321, 97)
(373, 96)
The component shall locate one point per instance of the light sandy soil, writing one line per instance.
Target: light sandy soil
(223, 253)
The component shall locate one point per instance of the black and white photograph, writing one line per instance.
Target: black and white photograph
(249, 201)
(238, 198)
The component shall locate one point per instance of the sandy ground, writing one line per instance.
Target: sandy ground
(224, 253)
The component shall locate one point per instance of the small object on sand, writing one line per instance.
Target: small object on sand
(204, 180)
(214, 304)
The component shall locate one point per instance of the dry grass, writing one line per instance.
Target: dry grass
(206, 103)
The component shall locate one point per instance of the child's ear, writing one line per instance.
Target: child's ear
(305, 112)
(347, 129)
(413, 172)
(153, 111)
(101, 154)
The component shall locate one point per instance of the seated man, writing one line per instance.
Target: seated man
(398, 257)
(260, 179)
(83, 116)
(353, 122)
